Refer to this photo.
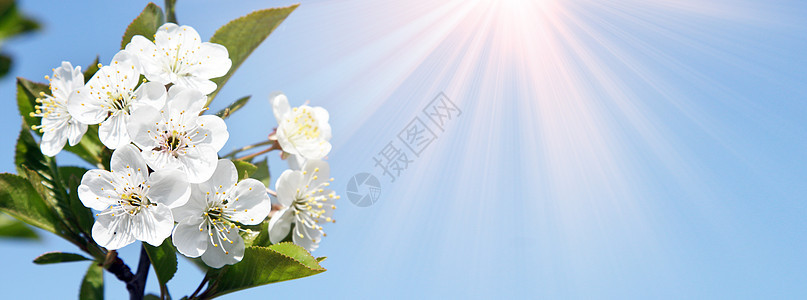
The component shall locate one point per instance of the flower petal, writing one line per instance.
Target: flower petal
(318, 171)
(151, 66)
(315, 150)
(280, 224)
(184, 105)
(198, 163)
(296, 162)
(189, 240)
(250, 202)
(169, 187)
(227, 254)
(191, 211)
(111, 232)
(153, 224)
(97, 189)
(142, 126)
(306, 237)
(64, 81)
(217, 63)
(280, 106)
(52, 142)
(225, 175)
(151, 94)
(284, 141)
(85, 108)
(75, 131)
(217, 134)
(128, 159)
(113, 133)
(127, 63)
(197, 83)
(287, 185)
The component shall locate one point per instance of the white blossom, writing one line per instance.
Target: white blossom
(305, 202)
(302, 130)
(134, 204)
(179, 56)
(111, 95)
(58, 126)
(177, 137)
(208, 222)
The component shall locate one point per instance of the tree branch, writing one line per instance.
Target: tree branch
(137, 285)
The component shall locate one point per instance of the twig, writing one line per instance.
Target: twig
(245, 148)
(199, 289)
(137, 285)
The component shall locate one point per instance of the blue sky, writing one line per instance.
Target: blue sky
(606, 149)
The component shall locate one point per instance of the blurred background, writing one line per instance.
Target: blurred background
(595, 149)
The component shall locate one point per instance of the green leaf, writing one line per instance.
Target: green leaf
(13, 228)
(241, 36)
(91, 150)
(229, 110)
(91, 69)
(151, 297)
(321, 258)
(145, 24)
(12, 22)
(260, 266)
(92, 287)
(244, 169)
(164, 260)
(37, 168)
(170, 11)
(71, 176)
(58, 257)
(5, 65)
(262, 173)
(19, 199)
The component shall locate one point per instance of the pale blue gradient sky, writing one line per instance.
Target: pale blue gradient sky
(623, 149)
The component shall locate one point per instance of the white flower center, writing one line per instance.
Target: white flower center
(118, 102)
(217, 219)
(302, 125)
(131, 202)
(310, 205)
(173, 143)
(53, 109)
(180, 60)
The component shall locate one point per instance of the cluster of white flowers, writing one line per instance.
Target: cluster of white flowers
(303, 195)
(166, 178)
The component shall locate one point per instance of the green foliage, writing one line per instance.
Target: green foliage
(238, 104)
(58, 257)
(13, 228)
(145, 24)
(170, 11)
(241, 36)
(164, 261)
(262, 173)
(244, 169)
(5, 65)
(66, 216)
(263, 265)
(84, 216)
(12, 22)
(92, 287)
(19, 199)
